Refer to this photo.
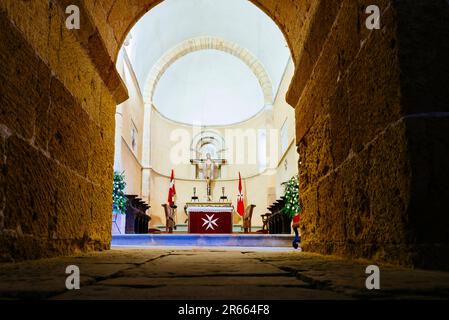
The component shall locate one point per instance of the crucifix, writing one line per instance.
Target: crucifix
(208, 169)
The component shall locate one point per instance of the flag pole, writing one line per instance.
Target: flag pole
(240, 203)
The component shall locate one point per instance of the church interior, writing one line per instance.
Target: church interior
(270, 149)
(221, 94)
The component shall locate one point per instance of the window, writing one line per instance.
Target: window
(262, 149)
(133, 137)
(284, 137)
(208, 142)
(208, 148)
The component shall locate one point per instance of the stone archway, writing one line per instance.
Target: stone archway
(371, 117)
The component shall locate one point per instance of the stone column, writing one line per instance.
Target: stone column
(146, 153)
(118, 139)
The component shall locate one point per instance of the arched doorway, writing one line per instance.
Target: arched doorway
(366, 134)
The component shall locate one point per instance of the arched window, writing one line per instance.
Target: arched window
(208, 142)
(208, 148)
(204, 144)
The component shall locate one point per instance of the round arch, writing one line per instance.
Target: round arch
(130, 15)
(208, 43)
(120, 10)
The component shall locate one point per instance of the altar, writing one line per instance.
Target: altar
(210, 217)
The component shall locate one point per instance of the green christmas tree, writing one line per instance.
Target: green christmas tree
(291, 207)
(119, 199)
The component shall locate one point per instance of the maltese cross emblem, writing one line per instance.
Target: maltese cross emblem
(210, 222)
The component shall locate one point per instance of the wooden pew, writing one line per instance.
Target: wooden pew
(137, 221)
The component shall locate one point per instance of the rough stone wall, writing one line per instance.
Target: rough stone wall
(56, 133)
(372, 177)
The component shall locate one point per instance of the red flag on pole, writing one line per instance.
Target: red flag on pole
(296, 219)
(240, 204)
(172, 189)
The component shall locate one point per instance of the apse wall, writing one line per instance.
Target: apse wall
(129, 116)
(260, 186)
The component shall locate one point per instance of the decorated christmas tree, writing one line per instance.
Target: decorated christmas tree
(291, 207)
(119, 199)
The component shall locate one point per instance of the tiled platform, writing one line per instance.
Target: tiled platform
(203, 240)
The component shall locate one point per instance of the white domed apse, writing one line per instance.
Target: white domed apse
(208, 87)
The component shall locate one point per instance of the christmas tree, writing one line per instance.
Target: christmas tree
(119, 199)
(291, 207)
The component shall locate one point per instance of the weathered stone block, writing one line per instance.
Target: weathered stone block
(68, 129)
(107, 110)
(15, 248)
(100, 224)
(375, 227)
(93, 48)
(31, 18)
(315, 152)
(309, 46)
(54, 34)
(339, 122)
(370, 195)
(30, 179)
(72, 213)
(338, 48)
(24, 78)
(310, 216)
(99, 12)
(344, 39)
(101, 157)
(72, 65)
(374, 94)
(333, 224)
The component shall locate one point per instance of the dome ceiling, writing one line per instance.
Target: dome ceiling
(205, 82)
(208, 87)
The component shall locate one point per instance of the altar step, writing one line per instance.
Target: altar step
(185, 228)
(203, 240)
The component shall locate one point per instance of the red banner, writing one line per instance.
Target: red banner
(171, 189)
(240, 204)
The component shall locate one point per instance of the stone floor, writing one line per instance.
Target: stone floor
(218, 273)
